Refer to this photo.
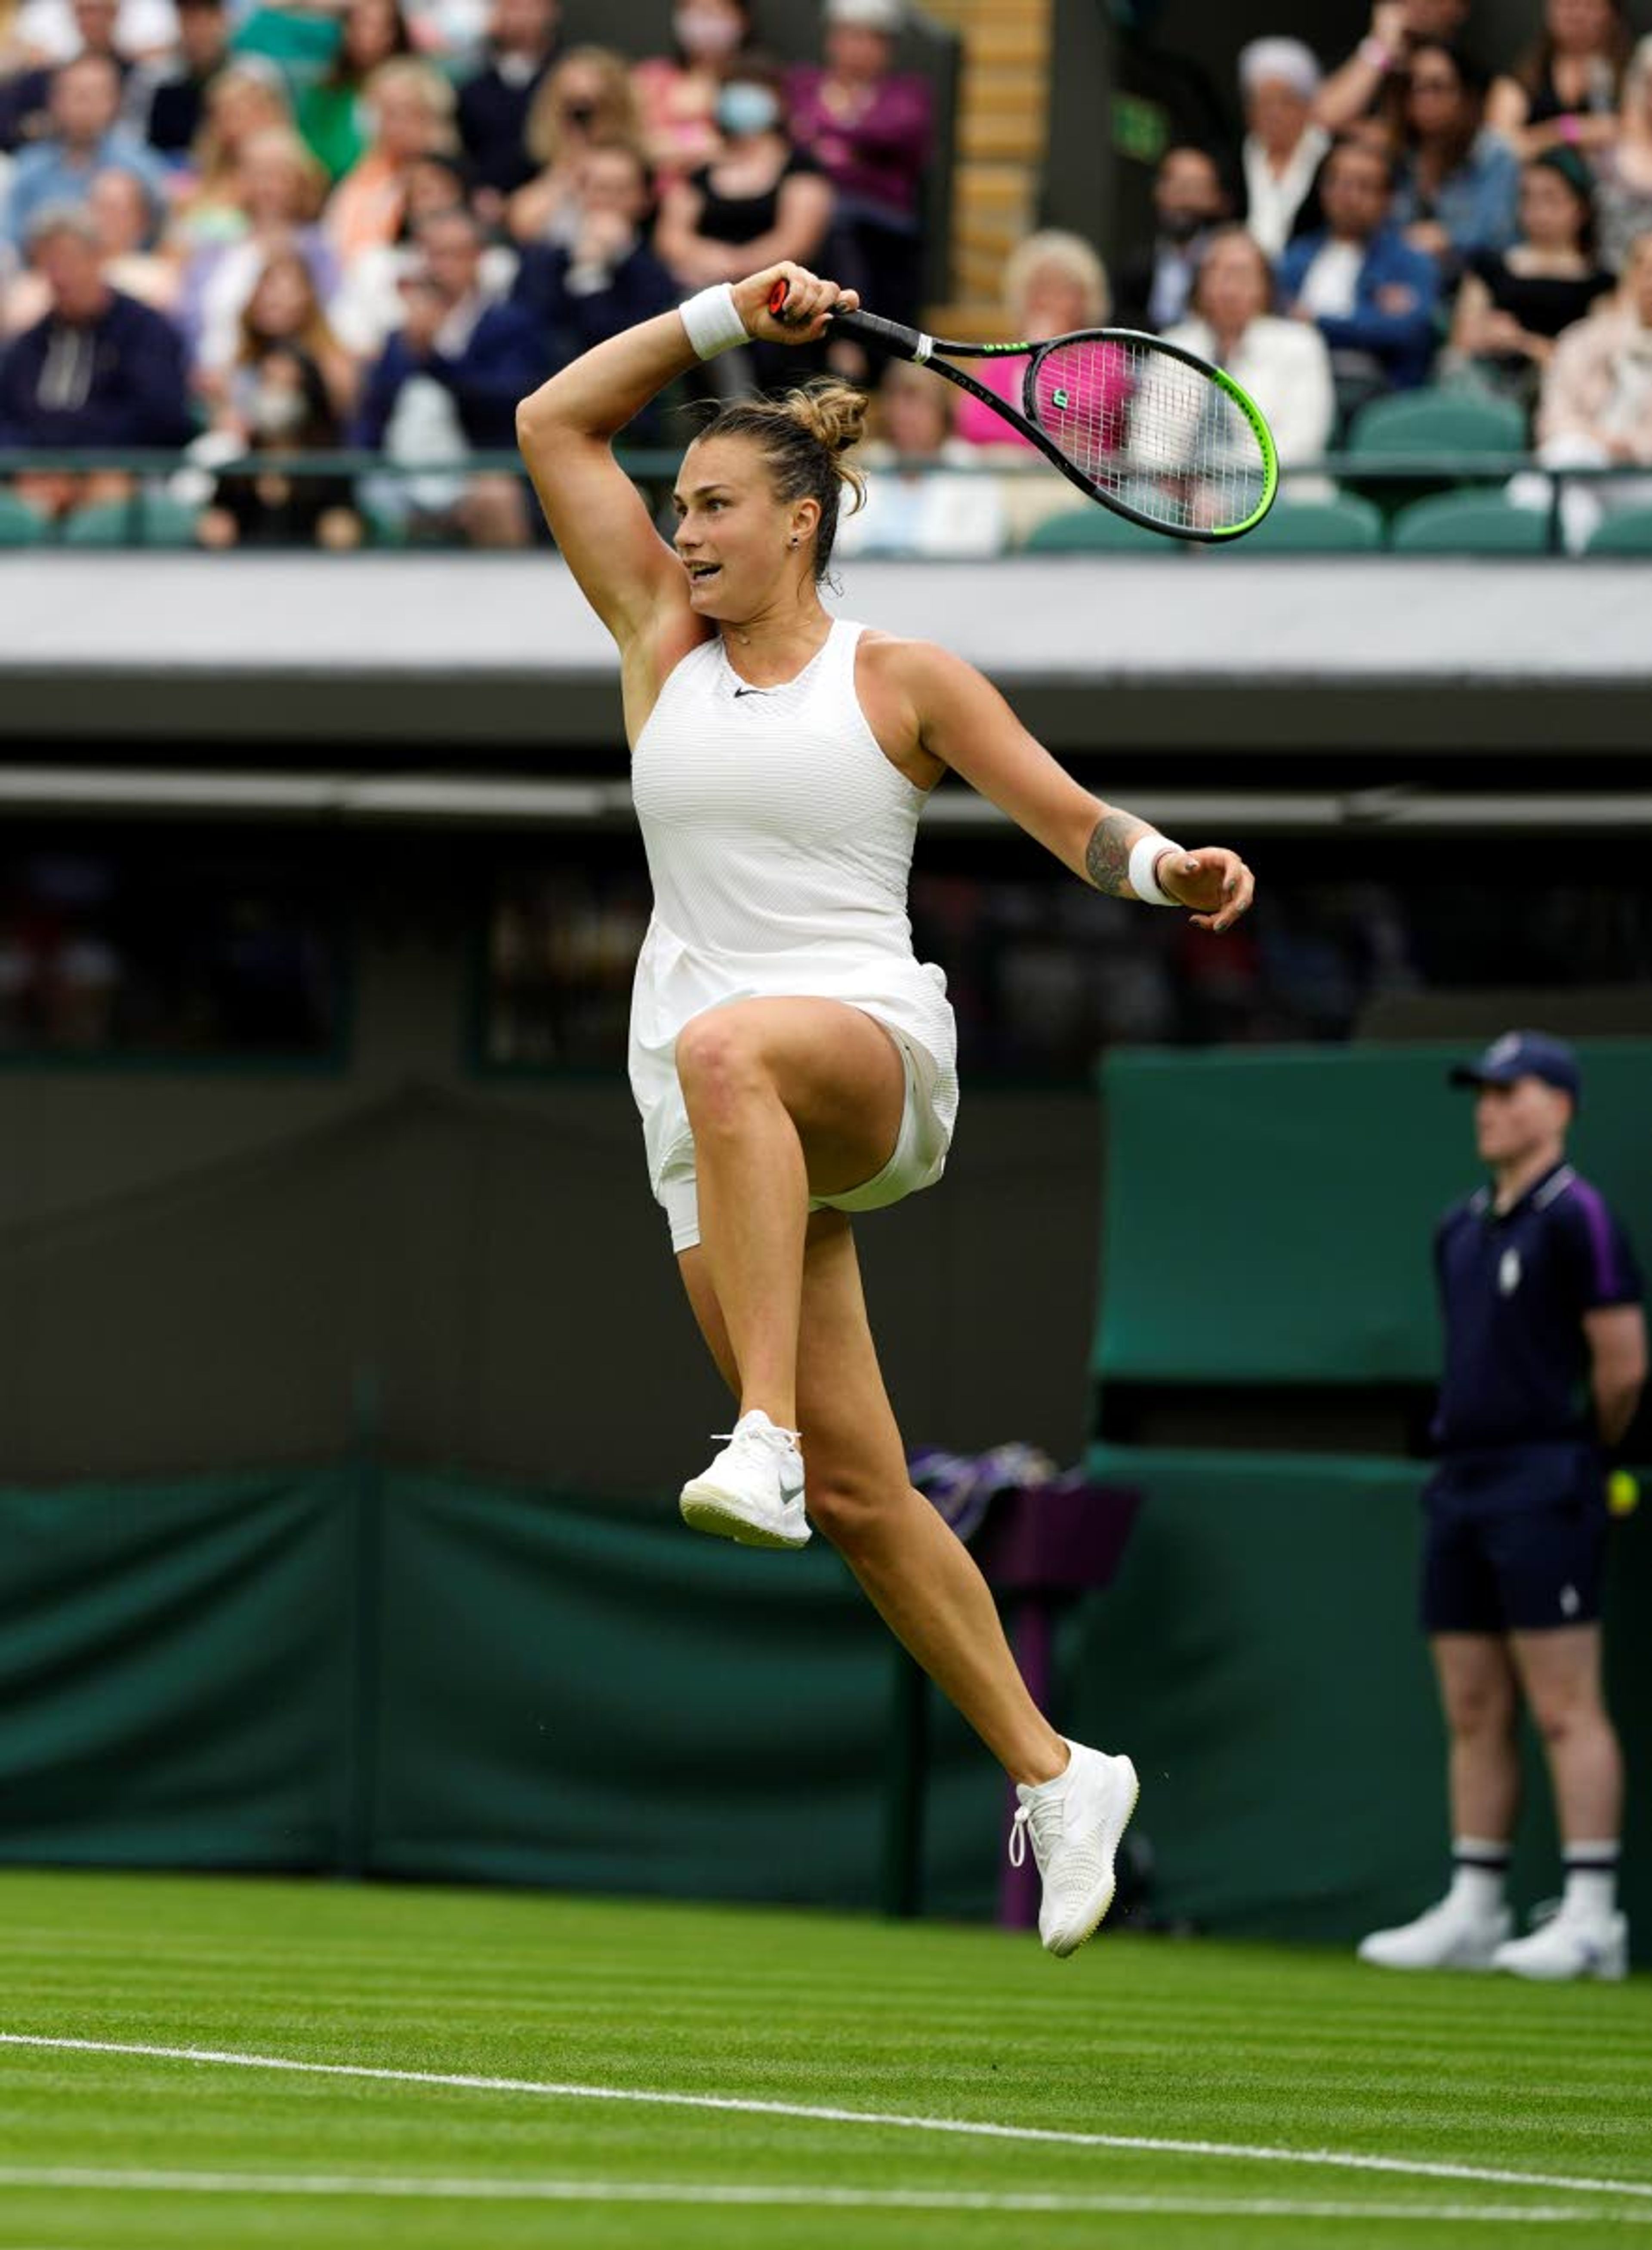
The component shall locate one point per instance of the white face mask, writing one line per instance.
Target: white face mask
(707, 32)
(276, 411)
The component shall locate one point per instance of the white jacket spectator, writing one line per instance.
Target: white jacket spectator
(1283, 364)
(953, 507)
(1278, 79)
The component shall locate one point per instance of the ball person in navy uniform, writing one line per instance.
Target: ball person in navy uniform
(1545, 1358)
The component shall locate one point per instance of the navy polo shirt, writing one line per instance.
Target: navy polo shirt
(1514, 1287)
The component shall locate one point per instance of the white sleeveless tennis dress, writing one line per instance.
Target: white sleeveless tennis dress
(780, 840)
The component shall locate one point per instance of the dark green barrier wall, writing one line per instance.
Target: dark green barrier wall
(177, 1670)
(1304, 1186)
(419, 1675)
(1259, 1657)
(416, 1676)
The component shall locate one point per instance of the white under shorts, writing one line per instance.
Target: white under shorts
(918, 1160)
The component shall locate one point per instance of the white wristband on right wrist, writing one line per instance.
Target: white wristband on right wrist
(712, 321)
(1144, 856)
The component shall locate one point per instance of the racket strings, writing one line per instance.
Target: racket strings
(1148, 428)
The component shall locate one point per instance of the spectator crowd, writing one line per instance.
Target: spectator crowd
(275, 226)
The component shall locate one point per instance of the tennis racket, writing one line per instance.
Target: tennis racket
(1153, 431)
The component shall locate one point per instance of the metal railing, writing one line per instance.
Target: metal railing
(164, 482)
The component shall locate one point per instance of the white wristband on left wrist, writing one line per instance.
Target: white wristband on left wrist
(1145, 855)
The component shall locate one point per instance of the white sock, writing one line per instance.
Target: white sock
(1592, 1882)
(1479, 1869)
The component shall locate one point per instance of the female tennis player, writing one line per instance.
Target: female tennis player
(792, 1060)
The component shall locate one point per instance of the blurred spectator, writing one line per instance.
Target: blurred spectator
(578, 293)
(244, 98)
(281, 187)
(760, 200)
(366, 308)
(584, 102)
(1623, 171)
(677, 94)
(1565, 89)
(448, 384)
(124, 217)
(1282, 147)
(99, 370)
(55, 32)
(1151, 286)
(85, 139)
(1053, 282)
(495, 101)
(1283, 364)
(1514, 303)
(329, 112)
(927, 494)
(296, 38)
(410, 106)
(869, 128)
(282, 308)
(26, 97)
(1596, 406)
(166, 99)
(282, 405)
(1357, 86)
(1458, 181)
(1370, 295)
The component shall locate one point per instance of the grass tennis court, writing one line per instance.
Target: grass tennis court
(1136, 2039)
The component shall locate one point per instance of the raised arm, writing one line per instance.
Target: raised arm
(963, 721)
(566, 431)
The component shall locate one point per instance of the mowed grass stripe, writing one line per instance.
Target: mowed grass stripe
(777, 2195)
(970, 2128)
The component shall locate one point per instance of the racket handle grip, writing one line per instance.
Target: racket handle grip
(845, 321)
(873, 328)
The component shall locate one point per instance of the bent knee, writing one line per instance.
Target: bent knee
(717, 1055)
(848, 1506)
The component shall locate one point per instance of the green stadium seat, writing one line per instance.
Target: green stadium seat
(1469, 523)
(1094, 530)
(19, 525)
(1345, 525)
(155, 520)
(1437, 422)
(1628, 534)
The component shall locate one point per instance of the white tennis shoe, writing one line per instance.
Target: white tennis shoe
(753, 1491)
(1571, 1946)
(1450, 1936)
(1075, 1822)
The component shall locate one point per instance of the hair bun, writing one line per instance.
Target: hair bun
(832, 412)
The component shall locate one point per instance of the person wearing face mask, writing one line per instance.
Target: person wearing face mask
(584, 102)
(871, 129)
(283, 407)
(1154, 283)
(677, 93)
(760, 200)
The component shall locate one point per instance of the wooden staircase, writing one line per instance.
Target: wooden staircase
(1003, 106)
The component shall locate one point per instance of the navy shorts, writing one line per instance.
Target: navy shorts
(1516, 1541)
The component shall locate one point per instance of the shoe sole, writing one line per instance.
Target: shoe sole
(1610, 1970)
(1105, 1896)
(1429, 1968)
(707, 1508)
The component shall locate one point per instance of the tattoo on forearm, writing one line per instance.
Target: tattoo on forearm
(1107, 854)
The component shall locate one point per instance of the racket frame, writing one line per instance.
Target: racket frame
(914, 344)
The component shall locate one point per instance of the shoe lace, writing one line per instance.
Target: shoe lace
(774, 1434)
(1043, 1818)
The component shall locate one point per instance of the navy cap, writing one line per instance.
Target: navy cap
(1524, 1054)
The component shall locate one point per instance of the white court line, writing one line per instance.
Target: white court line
(781, 2195)
(552, 2089)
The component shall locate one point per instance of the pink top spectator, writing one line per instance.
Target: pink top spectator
(874, 143)
(1004, 377)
